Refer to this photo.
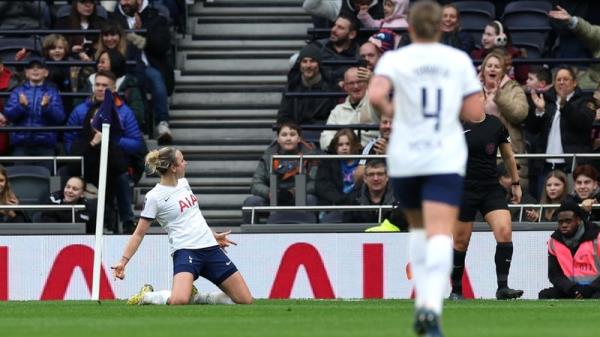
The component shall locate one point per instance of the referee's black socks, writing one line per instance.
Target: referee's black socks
(458, 269)
(503, 258)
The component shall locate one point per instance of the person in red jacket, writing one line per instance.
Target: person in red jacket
(573, 260)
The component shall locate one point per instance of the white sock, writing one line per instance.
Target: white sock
(216, 297)
(157, 297)
(416, 256)
(439, 266)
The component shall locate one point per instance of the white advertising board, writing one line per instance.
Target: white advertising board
(358, 265)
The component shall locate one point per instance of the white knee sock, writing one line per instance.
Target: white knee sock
(157, 297)
(417, 245)
(216, 297)
(438, 268)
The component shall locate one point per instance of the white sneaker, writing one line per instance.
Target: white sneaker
(164, 133)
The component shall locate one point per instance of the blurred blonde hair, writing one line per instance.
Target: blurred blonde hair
(161, 160)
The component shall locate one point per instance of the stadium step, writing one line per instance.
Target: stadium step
(198, 43)
(207, 136)
(227, 99)
(238, 66)
(229, 80)
(201, 181)
(232, 69)
(269, 8)
(221, 124)
(228, 29)
(247, 114)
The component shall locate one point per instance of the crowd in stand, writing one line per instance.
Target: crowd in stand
(546, 110)
(131, 56)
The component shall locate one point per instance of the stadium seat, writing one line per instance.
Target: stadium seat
(10, 46)
(30, 183)
(532, 42)
(292, 218)
(528, 14)
(474, 16)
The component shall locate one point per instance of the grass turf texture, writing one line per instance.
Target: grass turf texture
(312, 318)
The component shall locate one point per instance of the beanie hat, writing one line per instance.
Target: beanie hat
(571, 205)
(312, 51)
(383, 39)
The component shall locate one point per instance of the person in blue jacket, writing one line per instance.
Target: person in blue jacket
(125, 141)
(34, 103)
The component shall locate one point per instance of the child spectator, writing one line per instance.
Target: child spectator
(35, 103)
(335, 177)
(55, 47)
(72, 194)
(289, 141)
(494, 36)
(8, 197)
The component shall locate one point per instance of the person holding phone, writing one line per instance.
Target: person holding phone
(83, 15)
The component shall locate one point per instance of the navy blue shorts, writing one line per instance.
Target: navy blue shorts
(210, 263)
(410, 192)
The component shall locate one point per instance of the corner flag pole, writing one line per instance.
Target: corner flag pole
(100, 213)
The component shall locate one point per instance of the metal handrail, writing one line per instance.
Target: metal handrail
(63, 63)
(18, 32)
(54, 159)
(364, 30)
(516, 61)
(379, 208)
(79, 94)
(41, 128)
(301, 190)
(253, 209)
(73, 208)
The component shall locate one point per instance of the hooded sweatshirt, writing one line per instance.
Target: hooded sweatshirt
(396, 20)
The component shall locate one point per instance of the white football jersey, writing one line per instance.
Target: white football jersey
(176, 210)
(430, 81)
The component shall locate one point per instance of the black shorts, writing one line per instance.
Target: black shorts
(483, 198)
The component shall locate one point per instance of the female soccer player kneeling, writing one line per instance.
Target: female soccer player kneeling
(195, 249)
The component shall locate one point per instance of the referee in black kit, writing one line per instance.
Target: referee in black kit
(483, 193)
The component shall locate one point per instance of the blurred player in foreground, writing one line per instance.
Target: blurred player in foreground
(432, 84)
(196, 250)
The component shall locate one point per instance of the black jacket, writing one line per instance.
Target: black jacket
(158, 41)
(65, 216)
(361, 197)
(308, 109)
(349, 57)
(330, 184)
(576, 119)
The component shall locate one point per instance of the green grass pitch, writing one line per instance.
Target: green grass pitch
(298, 318)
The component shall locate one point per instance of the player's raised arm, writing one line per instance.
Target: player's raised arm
(472, 108)
(379, 95)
